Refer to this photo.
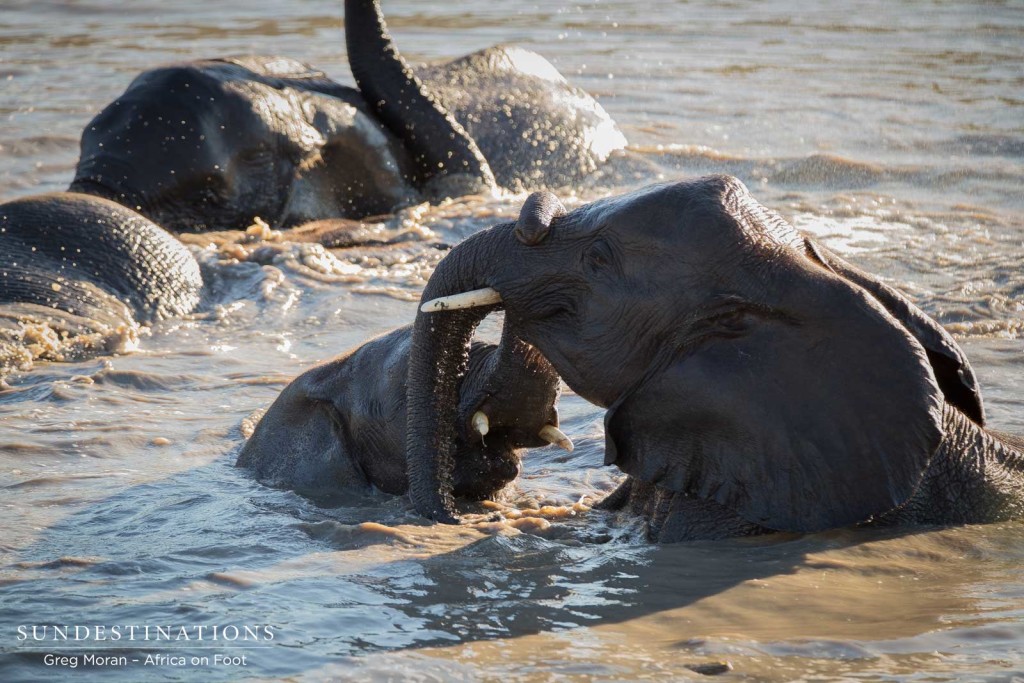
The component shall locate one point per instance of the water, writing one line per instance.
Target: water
(891, 130)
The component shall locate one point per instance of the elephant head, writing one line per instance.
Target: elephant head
(739, 361)
(214, 143)
(341, 425)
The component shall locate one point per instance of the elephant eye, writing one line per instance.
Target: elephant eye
(598, 255)
(733, 322)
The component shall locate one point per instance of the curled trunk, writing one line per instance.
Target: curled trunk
(438, 360)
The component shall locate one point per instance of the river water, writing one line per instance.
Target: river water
(893, 131)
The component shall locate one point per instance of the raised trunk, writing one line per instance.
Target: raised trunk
(439, 357)
(440, 147)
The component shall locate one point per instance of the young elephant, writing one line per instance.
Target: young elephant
(341, 424)
(754, 381)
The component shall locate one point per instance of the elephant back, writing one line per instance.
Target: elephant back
(535, 129)
(91, 257)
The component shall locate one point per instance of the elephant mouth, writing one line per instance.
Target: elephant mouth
(97, 186)
(481, 424)
(93, 186)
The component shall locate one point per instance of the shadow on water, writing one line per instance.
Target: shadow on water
(209, 546)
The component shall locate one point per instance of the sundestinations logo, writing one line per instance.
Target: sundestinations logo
(95, 633)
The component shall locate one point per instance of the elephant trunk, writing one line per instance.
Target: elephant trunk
(439, 358)
(442, 150)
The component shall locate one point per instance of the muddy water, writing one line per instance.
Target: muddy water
(891, 130)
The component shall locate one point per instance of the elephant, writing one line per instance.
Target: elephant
(754, 381)
(212, 144)
(340, 426)
(84, 263)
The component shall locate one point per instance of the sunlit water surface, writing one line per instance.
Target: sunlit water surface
(893, 131)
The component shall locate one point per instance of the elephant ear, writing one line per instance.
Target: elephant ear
(820, 413)
(952, 370)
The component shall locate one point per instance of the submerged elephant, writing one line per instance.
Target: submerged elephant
(83, 264)
(215, 143)
(754, 381)
(341, 425)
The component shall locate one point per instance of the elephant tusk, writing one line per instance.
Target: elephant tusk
(480, 423)
(478, 297)
(553, 434)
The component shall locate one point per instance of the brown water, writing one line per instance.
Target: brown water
(894, 131)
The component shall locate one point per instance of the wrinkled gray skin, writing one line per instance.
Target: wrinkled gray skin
(341, 425)
(214, 143)
(94, 260)
(754, 381)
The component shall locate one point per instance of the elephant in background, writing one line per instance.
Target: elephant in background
(754, 380)
(212, 144)
(85, 263)
(340, 426)
(217, 143)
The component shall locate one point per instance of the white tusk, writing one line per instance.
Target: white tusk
(480, 423)
(478, 297)
(553, 434)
